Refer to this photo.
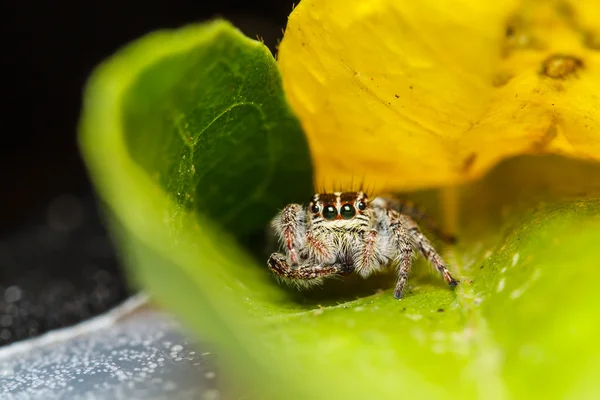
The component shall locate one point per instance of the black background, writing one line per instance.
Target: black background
(56, 264)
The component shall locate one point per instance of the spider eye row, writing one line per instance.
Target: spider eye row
(347, 211)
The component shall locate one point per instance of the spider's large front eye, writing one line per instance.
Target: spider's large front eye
(329, 212)
(347, 211)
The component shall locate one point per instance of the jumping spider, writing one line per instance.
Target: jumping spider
(343, 232)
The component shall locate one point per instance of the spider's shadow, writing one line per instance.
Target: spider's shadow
(338, 291)
(335, 291)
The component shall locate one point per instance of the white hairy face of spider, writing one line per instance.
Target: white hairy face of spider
(343, 232)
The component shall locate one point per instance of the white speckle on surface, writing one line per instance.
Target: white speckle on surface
(503, 270)
(500, 285)
(419, 335)
(450, 342)
(487, 254)
(515, 294)
(115, 356)
(209, 375)
(467, 261)
(176, 349)
(414, 317)
(12, 294)
(358, 308)
(515, 259)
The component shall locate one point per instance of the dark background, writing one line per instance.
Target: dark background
(57, 265)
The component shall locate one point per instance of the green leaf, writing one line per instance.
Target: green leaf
(193, 148)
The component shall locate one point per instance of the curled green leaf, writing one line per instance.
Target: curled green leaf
(193, 148)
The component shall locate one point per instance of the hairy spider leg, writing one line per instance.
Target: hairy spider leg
(404, 256)
(304, 274)
(290, 226)
(368, 258)
(425, 247)
(401, 249)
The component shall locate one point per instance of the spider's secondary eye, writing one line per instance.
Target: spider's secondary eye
(329, 212)
(362, 206)
(347, 211)
(315, 208)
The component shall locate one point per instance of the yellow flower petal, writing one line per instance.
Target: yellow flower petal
(412, 94)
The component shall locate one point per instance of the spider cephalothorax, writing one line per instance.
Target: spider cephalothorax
(343, 232)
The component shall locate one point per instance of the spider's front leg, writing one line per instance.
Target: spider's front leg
(303, 275)
(290, 227)
(369, 258)
(404, 255)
